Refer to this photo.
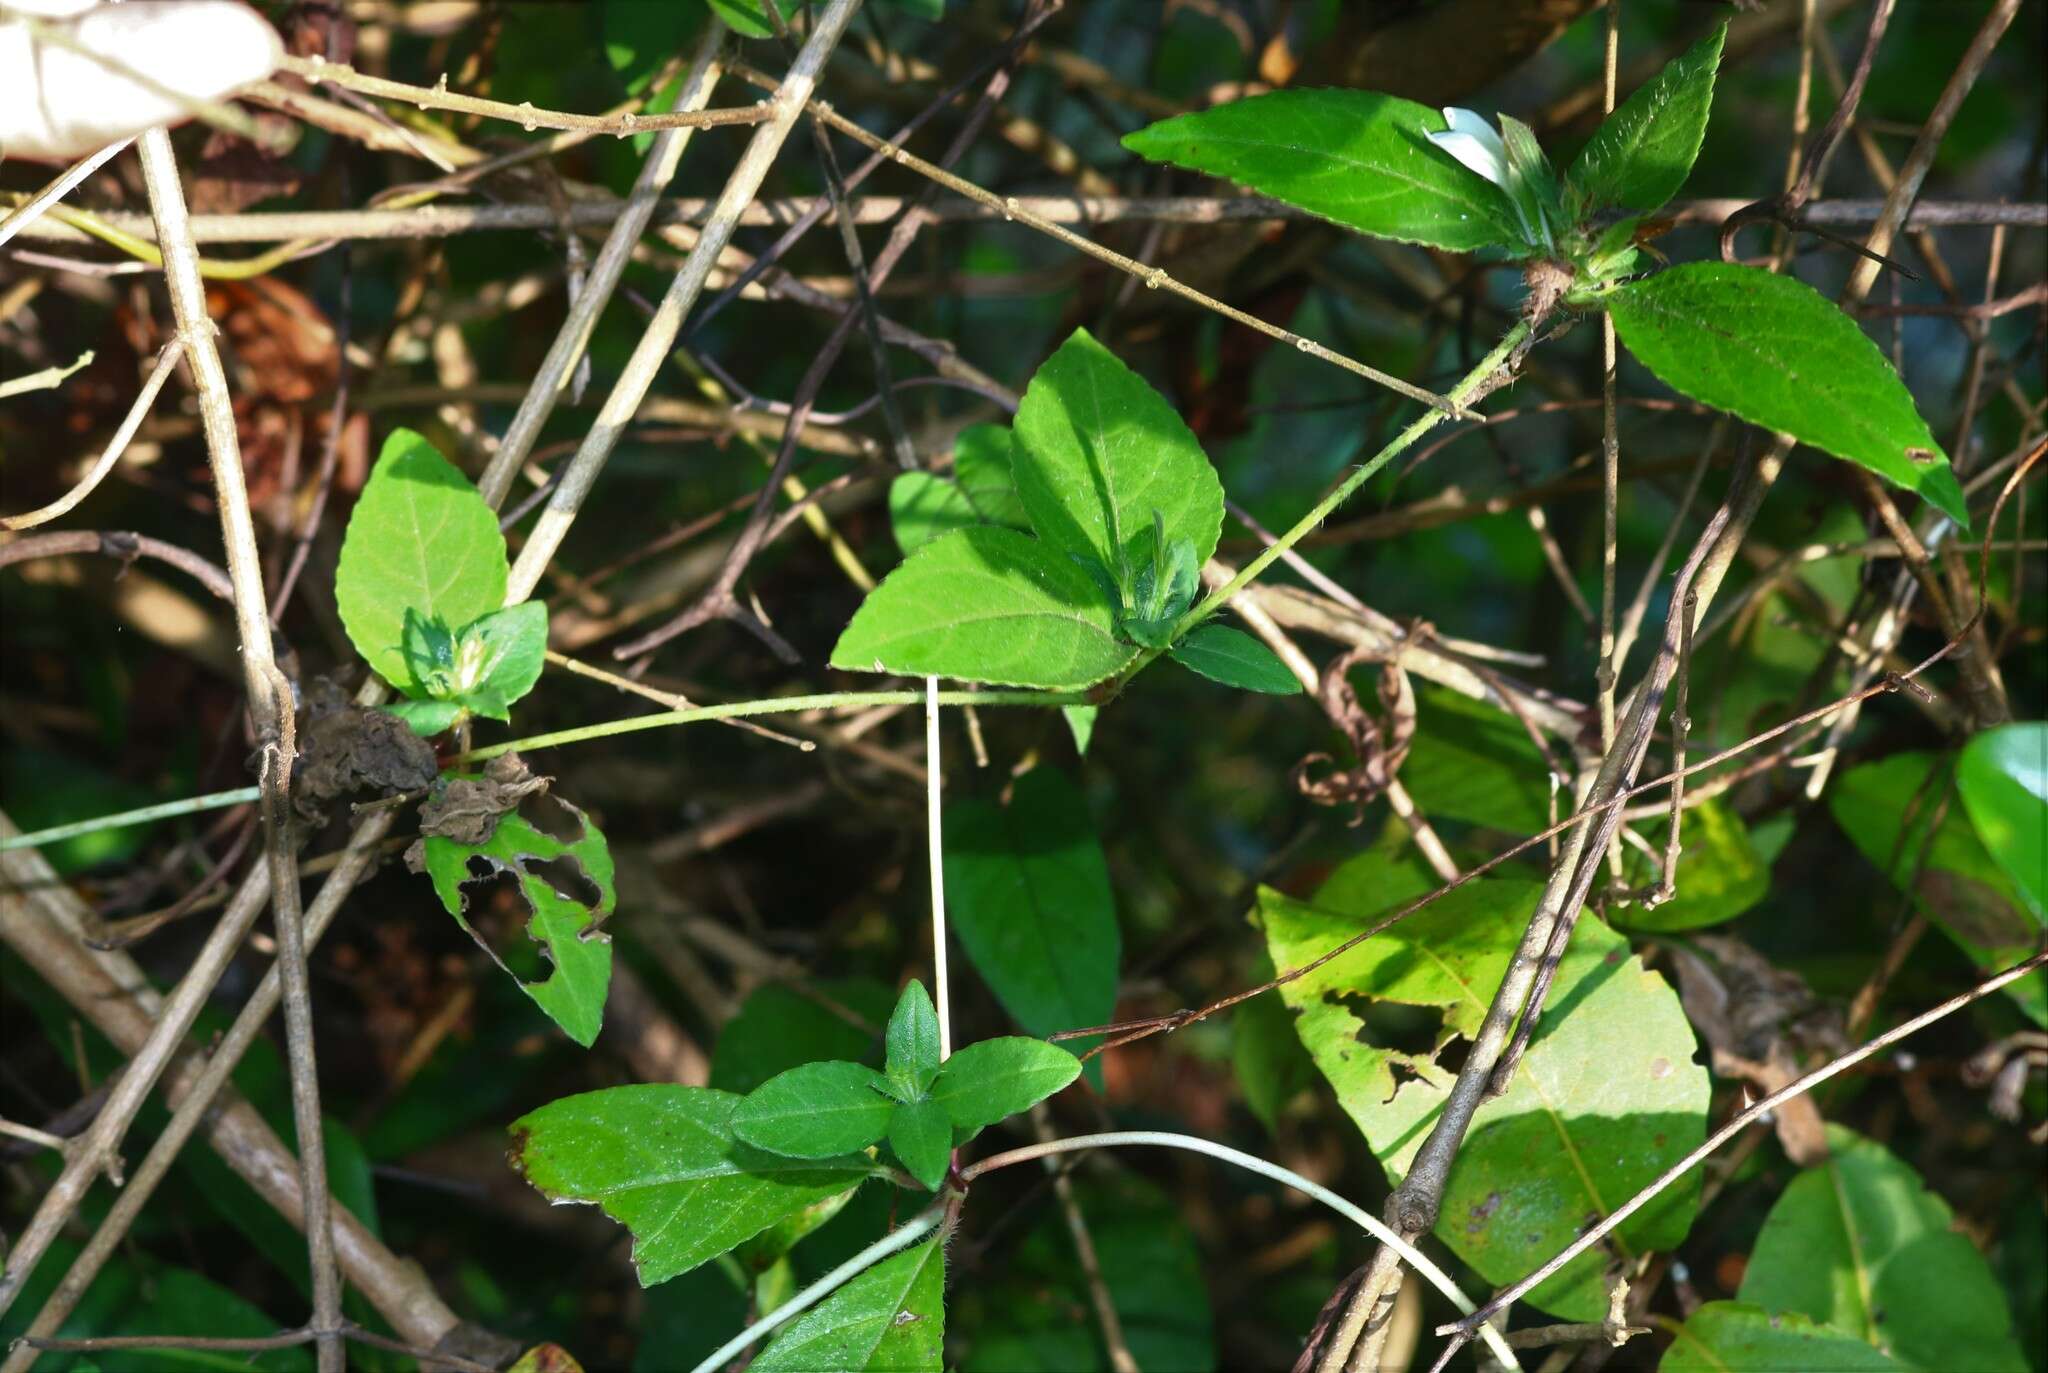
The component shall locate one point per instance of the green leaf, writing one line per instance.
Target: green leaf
(428, 718)
(984, 469)
(921, 1133)
(568, 930)
(815, 1110)
(1100, 454)
(1607, 1097)
(662, 1161)
(1272, 1068)
(1360, 159)
(1720, 873)
(1775, 352)
(779, 1027)
(1886, 809)
(422, 540)
(891, 1317)
(1733, 1337)
(986, 605)
(1028, 892)
(1860, 1244)
(1471, 761)
(1081, 724)
(1641, 154)
(749, 18)
(994, 1079)
(922, 507)
(2003, 778)
(913, 1040)
(499, 657)
(1234, 658)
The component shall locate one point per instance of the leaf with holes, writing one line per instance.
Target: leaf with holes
(1641, 154)
(1357, 158)
(1607, 1097)
(1776, 352)
(1861, 1244)
(420, 541)
(662, 1161)
(1236, 659)
(569, 931)
(891, 1317)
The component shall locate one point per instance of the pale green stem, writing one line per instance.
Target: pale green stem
(240, 796)
(897, 1240)
(774, 705)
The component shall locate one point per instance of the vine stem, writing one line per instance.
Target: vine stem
(897, 1240)
(941, 987)
(773, 705)
(1252, 1163)
(191, 805)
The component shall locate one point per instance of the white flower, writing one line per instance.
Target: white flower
(1474, 142)
(57, 102)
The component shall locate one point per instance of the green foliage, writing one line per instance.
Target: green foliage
(922, 507)
(1860, 1245)
(2003, 778)
(1641, 154)
(1775, 352)
(913, 1042)
(568, 930)
(1028, 895)
(921, 1136)
(817, 1110)
(1720, 873)
(996, 1078)
(1469, 762)
(1733, 1337)
(663, 1161)
(1607, 1097)
(1236, 659)
(890, 1319)
(779, 1027)
(1356, 158)
(982, 491)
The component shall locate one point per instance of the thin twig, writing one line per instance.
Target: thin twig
(138, 410)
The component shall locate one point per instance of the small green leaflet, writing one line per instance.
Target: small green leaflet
(891, 1318)
(1229, 656)
(1360, 159)
(1735, 1337)
(568, 931)
(1641, 154)
(1777, 353)
(662, 1160)
(816, 1110)
(913, 1041)
(2003, 778)
(921, 1133)
(420, 540)
(986, 605)
(994, 1079)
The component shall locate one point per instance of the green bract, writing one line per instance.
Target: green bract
(1777, 353)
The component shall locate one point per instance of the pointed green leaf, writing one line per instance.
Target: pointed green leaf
(1734, 1337)
(1081, 724)
(1028, 893)
(568, 931)
(996, 1078)
(427, 718)
(2003, 777)
(913, 1039)
(921, 1133)
(891, 1318)
(1641, 154)
(1236, 659)
(983, 468)
(420, 539)
(922, 507)
(1606, 1099)
(1775, 352)
(815, 1110)
(1360, 159)
(662, 1161)
(1859, 1243)
(502, 653)
(1100, 453)
(986, 605)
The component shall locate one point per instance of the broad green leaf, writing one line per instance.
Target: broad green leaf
(986, 605)
(2003, 778)
(499, 657)
(984, 469)
(1272, 1067)
(1236, 659)
(1886, 809)
(422, 540)
(1734, 1337)
(913, 1039)
(569, 931)
(1641, 154)
(1470, 761)
(1360, 159)
(1859, 1243)
(1100, 454)
(1606, 1099)
(1028, 892)
(891, 1318)
(662, 1161)
(1720, 873)
(779, 1027)
(922, 507)
(1775, 352)
(816, 1110)
(996, 1078)
(921, 1133)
